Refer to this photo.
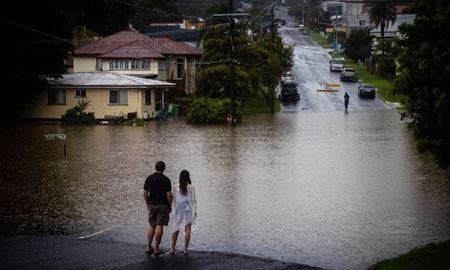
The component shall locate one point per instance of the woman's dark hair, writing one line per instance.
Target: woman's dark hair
(185, 179)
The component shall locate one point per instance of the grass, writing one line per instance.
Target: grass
(385, 87)
(430, 257)
(259, 105)
(321, 41)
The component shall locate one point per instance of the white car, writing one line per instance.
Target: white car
(337, 64)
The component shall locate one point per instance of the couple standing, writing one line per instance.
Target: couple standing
(160, 201)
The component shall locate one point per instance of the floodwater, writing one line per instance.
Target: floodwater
(330, 189)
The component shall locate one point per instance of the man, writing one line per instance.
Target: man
(158, 196)
(346, 99)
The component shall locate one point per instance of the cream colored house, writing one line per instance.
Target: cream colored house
(109, 95)
(133, 53)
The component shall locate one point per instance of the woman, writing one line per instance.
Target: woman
(185, 209)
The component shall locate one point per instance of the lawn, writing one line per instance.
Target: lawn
(429, 257)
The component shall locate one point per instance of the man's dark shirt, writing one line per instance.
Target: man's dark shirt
(158, 184)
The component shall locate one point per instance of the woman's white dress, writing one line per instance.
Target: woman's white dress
(184, 206)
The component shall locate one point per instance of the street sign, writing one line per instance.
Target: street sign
(338, 29)
(330, 87)
(56, 136)
(327, 90)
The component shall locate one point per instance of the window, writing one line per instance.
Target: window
(118, 97)
(148, 97)
(57, 97)
(158, 99)
(98, 64)
(145, 64)
(80, 93)
(180, 68)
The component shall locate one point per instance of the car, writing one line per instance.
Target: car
(279, 21)
(349, 74)
(366, 90)
(301, 27)
(337, 64)
(289, 90)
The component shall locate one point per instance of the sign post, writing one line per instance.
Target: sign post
(57, 137)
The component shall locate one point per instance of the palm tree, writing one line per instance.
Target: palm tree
(381, 13)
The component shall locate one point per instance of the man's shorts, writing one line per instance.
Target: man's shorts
(158, 215)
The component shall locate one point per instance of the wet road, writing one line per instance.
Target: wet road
(311, 69)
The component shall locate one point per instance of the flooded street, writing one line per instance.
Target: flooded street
(312, 184)
(327, 189)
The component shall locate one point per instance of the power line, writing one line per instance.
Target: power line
(153, 10)
(35, 30)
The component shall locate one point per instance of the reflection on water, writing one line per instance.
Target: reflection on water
(328, 189)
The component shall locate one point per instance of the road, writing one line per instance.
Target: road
(311, 70)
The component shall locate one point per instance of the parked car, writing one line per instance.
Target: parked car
(301, 28)
(289, 90)
(337, 64)
(366, 90)
(349, 74)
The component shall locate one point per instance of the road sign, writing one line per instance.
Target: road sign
(330, 87)
(327, 90)
(338, 29)
(56, 136)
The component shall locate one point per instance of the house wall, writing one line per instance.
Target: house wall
(83, 64)
(98, 103)
(191, 72)
(167, 71)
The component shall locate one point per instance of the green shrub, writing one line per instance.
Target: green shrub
(210, 111)
(77, 114)
(136, 122)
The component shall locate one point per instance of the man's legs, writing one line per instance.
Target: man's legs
(150, 234)
(158, 235)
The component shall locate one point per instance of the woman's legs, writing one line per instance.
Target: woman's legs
(187, 237)
(174, 240)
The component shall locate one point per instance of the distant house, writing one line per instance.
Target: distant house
(357, 22)
(109, 94)
(392, 30)
(133, 53)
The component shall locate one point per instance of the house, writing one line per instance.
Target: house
(133, 53)
(391, 31)
(109, 95)
(357, 22)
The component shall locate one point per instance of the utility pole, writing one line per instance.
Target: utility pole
(335, 31)
(232, 56)
(303, 13)
(272, 22)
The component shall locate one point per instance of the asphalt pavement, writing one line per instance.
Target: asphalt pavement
(69, 252)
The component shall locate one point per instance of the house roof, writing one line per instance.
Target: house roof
(136, 49)
(130, 44)
(392, 30)
(108, 79)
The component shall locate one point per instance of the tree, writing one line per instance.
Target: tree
(381, 13)
(358, 45)
(424, 79)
